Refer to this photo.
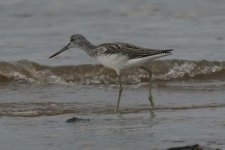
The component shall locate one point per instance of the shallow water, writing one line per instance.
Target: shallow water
(188, 86)
(128, 131)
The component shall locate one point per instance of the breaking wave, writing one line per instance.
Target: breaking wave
(164, 71)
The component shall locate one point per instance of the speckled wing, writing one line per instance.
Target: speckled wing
(130, 50)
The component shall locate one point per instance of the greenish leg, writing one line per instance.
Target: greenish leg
(150, 98)
(120, 93)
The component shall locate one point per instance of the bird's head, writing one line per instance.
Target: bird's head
(76, 41)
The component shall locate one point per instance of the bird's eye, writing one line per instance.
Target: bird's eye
(72, 40)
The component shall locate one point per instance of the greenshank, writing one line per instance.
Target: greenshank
(119, 56)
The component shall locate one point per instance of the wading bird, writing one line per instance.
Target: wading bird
(118, 56)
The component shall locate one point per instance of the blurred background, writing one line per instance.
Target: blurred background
(33, 30)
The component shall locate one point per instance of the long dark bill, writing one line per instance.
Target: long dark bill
(62, 50)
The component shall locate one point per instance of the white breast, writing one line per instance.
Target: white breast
(114, 61)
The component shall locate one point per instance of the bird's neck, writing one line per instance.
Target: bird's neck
(87, 46)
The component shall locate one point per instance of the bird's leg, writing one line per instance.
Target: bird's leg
(150, 98)
(120, 93)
